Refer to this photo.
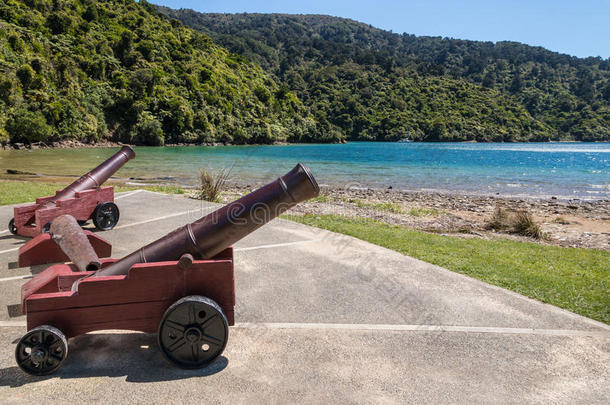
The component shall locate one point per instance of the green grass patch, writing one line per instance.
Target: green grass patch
(385, 206)
(575, 279)
(395, 208)
(322, 198)
(424, 212)
(388, 207)
(167, 189)
(16, 192)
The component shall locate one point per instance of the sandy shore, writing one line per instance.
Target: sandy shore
(573, 223)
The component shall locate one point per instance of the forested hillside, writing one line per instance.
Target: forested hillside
(116, 69)
(373, 84)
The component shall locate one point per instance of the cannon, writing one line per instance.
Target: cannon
(84, 199)
(66, 241)
(180, 287)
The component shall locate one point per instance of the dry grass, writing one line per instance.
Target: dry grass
(211, 185)
(499, 219)
(523, 224)
(519, 222)
(561, 220)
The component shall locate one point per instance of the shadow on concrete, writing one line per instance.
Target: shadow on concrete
(19, 240)
(134, 355)
(38, 268)
(14, 310)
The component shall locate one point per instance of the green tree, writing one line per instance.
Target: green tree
(28, 126)
(147, 131)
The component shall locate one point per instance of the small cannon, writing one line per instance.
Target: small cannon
(180, 286)
(84, 199)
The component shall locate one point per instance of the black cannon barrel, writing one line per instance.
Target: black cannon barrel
(214, 232)
(96, 177)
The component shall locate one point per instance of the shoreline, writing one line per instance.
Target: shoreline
(568, 223)
(75, 144)
(232, 184)
(572, 223)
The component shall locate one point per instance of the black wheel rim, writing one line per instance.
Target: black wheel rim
(11, 226)
(42, 350)
(106, 216)
(193, 332)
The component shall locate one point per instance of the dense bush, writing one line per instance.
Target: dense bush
(28, 126)
(116, 69)
(373, 84)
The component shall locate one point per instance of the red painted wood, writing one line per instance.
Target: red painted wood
(29, 219)
(45, 282)
(142, 316)
(42, 250)
(135, 301)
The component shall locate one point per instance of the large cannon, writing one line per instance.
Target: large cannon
(84, 199)
(180, 286)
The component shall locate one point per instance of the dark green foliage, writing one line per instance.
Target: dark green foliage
(25, 74)
(116, 69)
(59, 23)
(90, 13)
(373, 84)
(262, 94)
(148, 131)
(28, 126)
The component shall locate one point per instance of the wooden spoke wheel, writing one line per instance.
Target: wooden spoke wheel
(106, 216)
(193, 332)
(42, 350)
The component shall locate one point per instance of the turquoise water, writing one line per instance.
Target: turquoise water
(580, 170)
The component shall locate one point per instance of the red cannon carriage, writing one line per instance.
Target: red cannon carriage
(84, 199)
(180, 286)
(189, 305)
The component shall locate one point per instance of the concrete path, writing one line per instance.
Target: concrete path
(322, 318)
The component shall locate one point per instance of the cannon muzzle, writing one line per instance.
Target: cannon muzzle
(96, 177)
(213, 233)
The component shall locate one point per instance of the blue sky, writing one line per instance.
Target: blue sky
(576, 27)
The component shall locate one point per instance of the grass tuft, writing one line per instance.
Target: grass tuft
(212, 185)
(523, 224)
(499, 219)
(424, 212)
(520, 223)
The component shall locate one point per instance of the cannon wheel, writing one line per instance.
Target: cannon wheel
(42, 350)
(11, 226)
(193, 332)
(106, 216)
(82, 222)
